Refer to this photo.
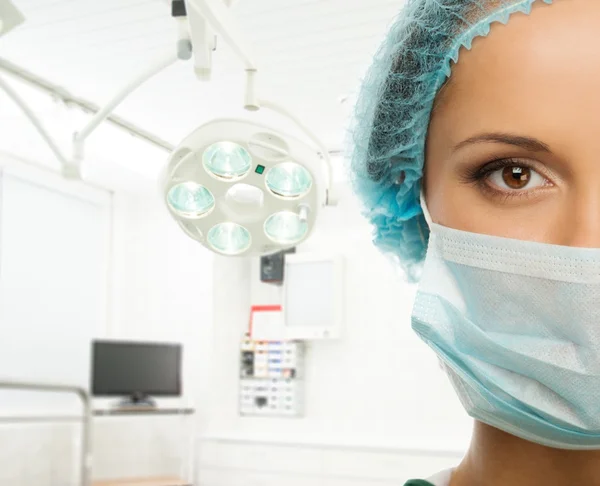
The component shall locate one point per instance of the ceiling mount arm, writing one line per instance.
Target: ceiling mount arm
(216, 13)
(80, 137)
(71, 168)
(252, 103)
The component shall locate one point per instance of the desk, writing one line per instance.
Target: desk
(119, 476)
(143, 482)
(142, 411)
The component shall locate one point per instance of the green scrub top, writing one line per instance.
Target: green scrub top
(418, 482)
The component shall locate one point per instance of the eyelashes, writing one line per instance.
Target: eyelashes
(480, 172)
(506, 178)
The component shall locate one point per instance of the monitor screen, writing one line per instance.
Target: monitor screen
(130, 368)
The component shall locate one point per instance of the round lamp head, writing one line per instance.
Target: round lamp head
(190, 200)
(289, 180)
(229, 238)
(227, 160)
(242, 189)
(286, 227)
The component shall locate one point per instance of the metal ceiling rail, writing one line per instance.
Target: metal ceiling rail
(87, 106)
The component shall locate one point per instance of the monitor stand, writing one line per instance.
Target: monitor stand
(137, 401)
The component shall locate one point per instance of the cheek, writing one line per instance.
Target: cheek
(448, 204)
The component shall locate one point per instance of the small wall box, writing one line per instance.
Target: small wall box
(313, 302)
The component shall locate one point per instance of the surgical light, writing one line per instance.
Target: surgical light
(267, 187)
(280, 178)
(190, 200)
(241, 188)
(237, 187)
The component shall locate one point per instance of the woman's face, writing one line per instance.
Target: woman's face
(514, 142)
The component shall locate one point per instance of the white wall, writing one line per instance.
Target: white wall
(54, 285)
(378, 408)
(54, 256)
(149, 282)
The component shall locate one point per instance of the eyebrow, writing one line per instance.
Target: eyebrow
(528, 143)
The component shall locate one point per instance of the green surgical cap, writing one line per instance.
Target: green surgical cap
(393, 111)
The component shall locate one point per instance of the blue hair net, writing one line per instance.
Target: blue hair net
(394, 106)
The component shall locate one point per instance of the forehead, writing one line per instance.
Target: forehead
(538, 73)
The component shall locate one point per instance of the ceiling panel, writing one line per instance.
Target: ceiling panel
(310, 54)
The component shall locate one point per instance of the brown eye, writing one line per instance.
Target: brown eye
(516, 177)
(513, 178)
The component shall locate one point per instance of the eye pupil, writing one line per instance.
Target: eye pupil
(516, 177)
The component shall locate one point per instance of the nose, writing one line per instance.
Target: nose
(581, 221)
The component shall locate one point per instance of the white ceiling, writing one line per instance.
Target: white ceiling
(310, 53)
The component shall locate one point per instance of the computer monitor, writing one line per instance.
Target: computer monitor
(135, 370)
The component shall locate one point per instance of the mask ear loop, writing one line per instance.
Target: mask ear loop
(427, 217)
(425, 210)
